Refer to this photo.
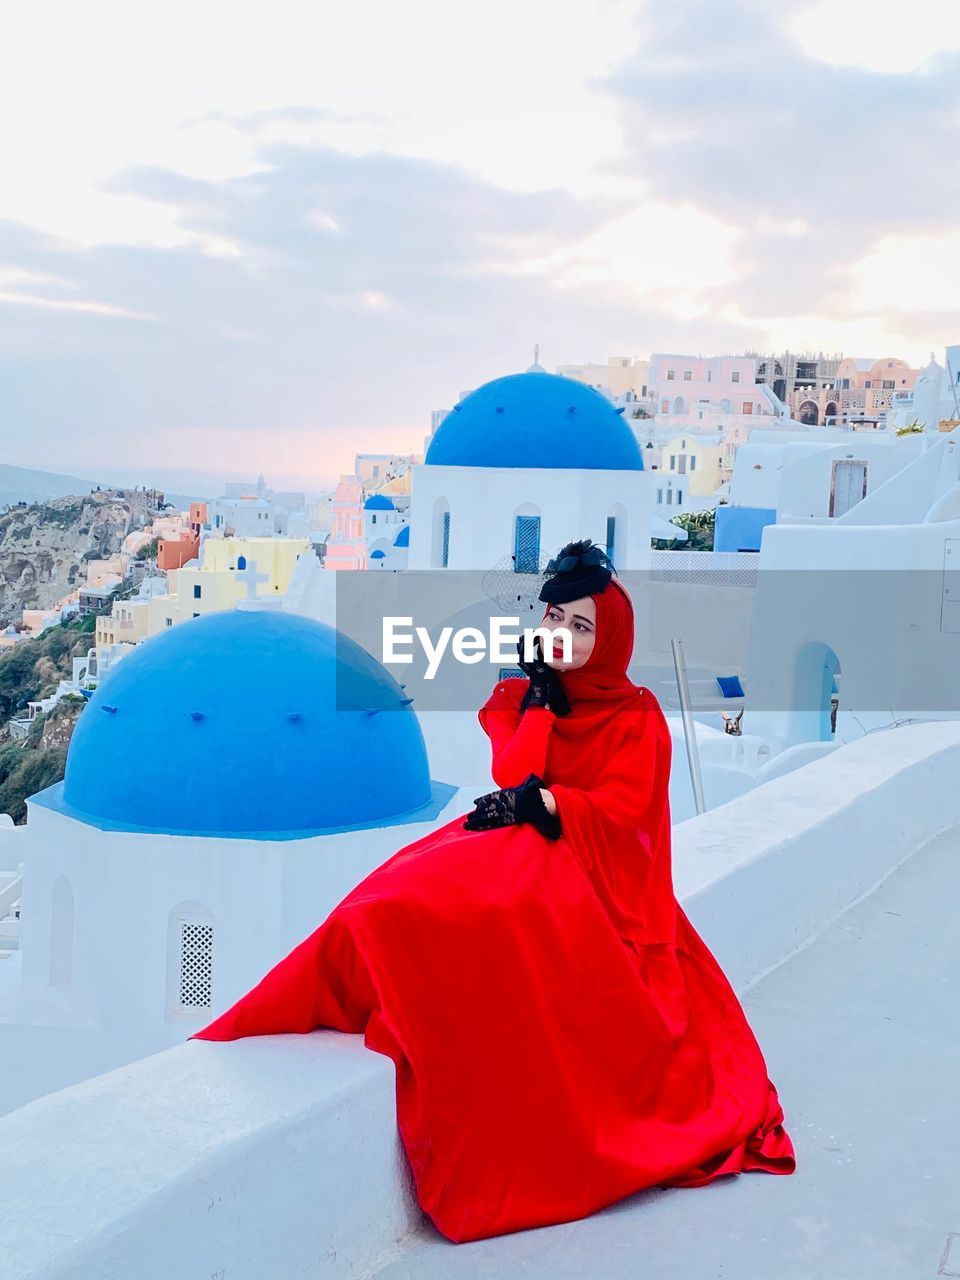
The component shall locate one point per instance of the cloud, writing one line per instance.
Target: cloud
(361, 293)
(815, 163)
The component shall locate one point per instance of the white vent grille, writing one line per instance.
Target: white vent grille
(195, 989)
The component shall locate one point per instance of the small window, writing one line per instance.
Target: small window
(526, 544)
(669, 497)
(709, 375)
(168, 622)
(735, 376)
(445, 551)
(693, 462)
(241, 562)
(660, 496)
(671, 375)
(673, 462)
(189, 962)
(196, 591)
(868, 384)
(196, 964)
(688, 375)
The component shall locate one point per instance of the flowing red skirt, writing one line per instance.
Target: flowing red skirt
(545, 1067)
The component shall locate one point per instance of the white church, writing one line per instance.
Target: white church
(520, 462)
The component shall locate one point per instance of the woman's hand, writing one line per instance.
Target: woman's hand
(511, 805)
(546, 689)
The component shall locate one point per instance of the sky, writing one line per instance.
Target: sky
(240, 237)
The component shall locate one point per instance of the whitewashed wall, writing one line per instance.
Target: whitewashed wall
(98, 966)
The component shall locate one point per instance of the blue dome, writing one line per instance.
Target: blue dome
(246, 723)
(535, 420)
(403, 537)
(377, 555)
(379, 502)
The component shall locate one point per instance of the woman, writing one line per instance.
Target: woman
(562, 1035)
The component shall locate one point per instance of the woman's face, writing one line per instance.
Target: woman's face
(579, 617)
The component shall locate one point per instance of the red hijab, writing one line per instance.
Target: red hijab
(601, 688)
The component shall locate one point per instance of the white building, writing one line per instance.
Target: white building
(867, 601)
(246, 516)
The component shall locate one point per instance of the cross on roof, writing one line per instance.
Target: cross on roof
(250, 576)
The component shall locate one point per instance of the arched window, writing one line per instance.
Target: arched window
(526, 542)
(724, 406)
(616, 534)
(440, 544)
(679, 405)
(189, 961)
(241, 562)
(61, 935)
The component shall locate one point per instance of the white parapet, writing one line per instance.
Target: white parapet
(262, 1158)
(279, 1156)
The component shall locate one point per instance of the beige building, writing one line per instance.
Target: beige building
(127, 623)
(862, 395)
(615, 378)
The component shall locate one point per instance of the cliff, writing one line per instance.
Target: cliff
(43, 545)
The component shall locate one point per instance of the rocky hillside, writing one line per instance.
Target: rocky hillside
(43, 545)
(39, 762)
(32, 669)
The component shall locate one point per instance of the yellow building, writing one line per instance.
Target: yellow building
(697, 459)
(228, 570)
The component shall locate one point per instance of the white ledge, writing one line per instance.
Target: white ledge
(264, 1157)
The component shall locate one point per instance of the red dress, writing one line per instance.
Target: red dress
(562, 1035)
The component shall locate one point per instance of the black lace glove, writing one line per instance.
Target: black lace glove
(513, 805)
(546, 689)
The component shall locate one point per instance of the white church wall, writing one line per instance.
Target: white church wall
(103, 916)
(484, 502)
(205, 1134)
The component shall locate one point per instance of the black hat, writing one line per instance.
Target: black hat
(580, 569)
